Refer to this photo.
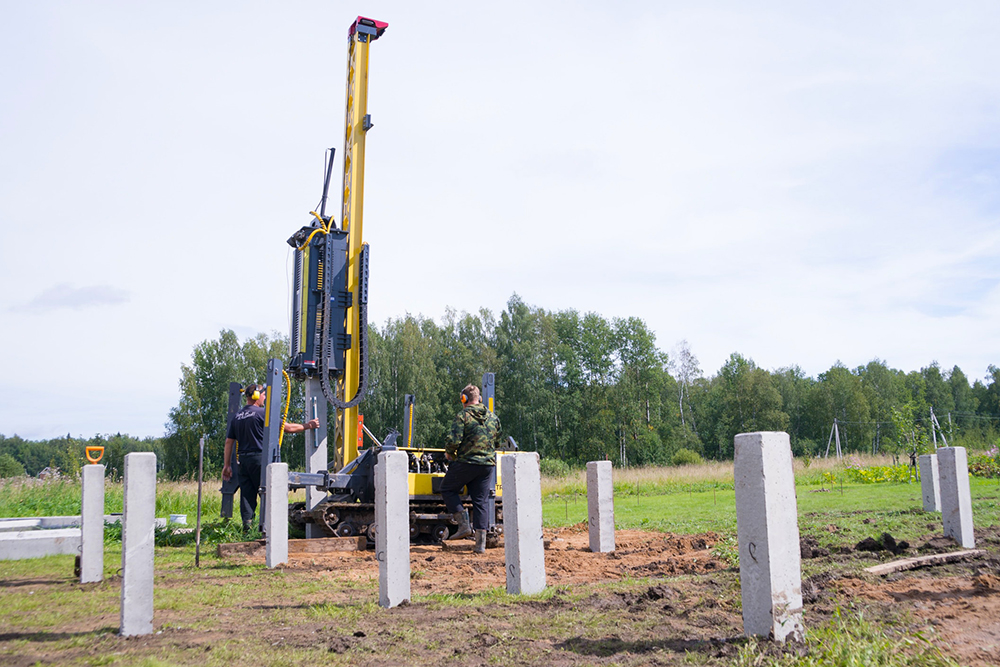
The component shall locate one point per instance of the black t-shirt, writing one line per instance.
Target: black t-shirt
(247, 428)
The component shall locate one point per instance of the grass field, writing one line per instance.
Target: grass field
(228, 612)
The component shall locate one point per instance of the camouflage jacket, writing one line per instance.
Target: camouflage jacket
(474, 436)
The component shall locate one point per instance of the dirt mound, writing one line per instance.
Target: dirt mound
(885, 542)
(809, 548)
(568, 560)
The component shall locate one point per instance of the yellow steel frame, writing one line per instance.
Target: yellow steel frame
(352, 217)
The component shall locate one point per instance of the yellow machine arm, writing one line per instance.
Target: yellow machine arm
(357, 122)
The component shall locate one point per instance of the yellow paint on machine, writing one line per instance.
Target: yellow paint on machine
(351, 221)
(422, 483)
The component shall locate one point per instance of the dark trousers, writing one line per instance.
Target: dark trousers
(477, 478)
(249, 485)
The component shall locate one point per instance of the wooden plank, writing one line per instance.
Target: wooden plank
(923, 561)
(466, 545)
(240, 548)
(324, 545)
(321, 545)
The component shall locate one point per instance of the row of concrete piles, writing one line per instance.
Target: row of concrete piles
(944, 483)
(524, 547)
(766, 516)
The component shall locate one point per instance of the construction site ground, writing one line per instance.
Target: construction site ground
(659, 599)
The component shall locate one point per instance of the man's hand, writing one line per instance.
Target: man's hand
(227, 472)
(311, 425)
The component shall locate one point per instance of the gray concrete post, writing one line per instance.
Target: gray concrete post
(276, 528)
(600, 506)
(956, 496)
(768, 533)
(138, 524)
(392, 528)
(524, 548)
(929, 484)
(92, 524)
(316, 454)
(272, 433)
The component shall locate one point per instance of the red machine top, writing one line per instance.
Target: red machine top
(378, 26)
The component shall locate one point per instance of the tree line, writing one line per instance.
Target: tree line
(581, 387)
(66, 454)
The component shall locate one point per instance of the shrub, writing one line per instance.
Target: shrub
(984, 465)
(10, 467)
(683, 457)
(855, 472)
(554, 468)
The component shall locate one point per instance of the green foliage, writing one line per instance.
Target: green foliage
(214, 532)
(728, 549)
(683, 457)
(741, 399)
(554, 468)
(580, 387)
(10, 467)
(985, 465)
(67, 454)
(203, 408)
(61, 497)
(876, 474)
(113, 532)
(851, 640)
(854, 471)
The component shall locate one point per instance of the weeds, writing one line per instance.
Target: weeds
(850, 641)
(728, 549)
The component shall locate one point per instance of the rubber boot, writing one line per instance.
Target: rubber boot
(480, 547)
(464, 529)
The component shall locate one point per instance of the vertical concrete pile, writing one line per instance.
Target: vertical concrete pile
(768, 533)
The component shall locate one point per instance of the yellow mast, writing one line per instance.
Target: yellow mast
(357, 122)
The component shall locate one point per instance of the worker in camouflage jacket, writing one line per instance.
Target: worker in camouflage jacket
(471, 448)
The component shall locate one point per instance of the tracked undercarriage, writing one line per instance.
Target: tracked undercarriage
(349, 509)
(429, 520)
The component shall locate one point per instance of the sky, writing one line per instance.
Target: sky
(801, 183)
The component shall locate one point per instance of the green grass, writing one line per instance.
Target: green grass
(852, 640)
(22, 497)
(893, 508)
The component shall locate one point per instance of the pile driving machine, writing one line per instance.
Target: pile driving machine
(329, 354)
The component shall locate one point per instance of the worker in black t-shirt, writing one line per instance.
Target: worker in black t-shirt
(247, 428)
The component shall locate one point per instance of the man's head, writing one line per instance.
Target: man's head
(470, 395)
(255, 394)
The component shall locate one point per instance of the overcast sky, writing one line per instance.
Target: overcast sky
(798, 182)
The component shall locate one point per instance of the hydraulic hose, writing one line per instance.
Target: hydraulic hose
(284, 414)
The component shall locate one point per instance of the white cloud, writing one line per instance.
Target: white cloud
(65, 296)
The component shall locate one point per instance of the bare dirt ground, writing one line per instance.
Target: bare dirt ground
(568, 560)
(659, 599)
(963, 608)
